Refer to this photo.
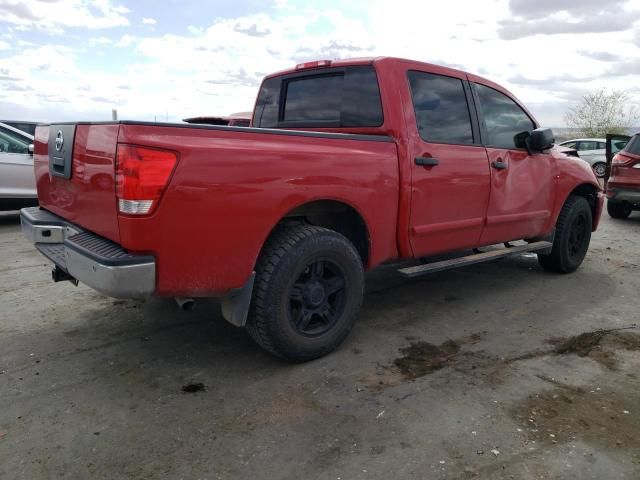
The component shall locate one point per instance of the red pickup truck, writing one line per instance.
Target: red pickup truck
(347, 164)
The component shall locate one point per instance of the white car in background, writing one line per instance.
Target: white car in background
(593, 151)
(17, 178)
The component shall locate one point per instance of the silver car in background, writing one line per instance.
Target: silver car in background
(593, 151)
(17, 178)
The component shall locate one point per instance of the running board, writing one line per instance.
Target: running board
(418, 270)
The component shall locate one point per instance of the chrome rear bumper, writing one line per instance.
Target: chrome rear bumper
(99, 263)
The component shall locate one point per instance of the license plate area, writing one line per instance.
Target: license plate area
(61, 139)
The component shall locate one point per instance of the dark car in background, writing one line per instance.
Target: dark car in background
(623, 180)
(234, 120)
(28, 127)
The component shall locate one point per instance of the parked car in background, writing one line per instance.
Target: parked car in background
(234, 120)
(28, 127)
(623, 182)
(592, 151)
(17, 178)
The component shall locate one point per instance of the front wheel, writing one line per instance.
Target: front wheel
(600, 169)
(572, 237)
(307, 294)
(619, 210)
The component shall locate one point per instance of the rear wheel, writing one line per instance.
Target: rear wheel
(599, 169)
(572, 237)
(618, 209)
(308, 292)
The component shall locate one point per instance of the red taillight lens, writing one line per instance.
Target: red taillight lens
(142, 175)
(621, 160)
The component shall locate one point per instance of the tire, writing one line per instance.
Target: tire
(619, 210)
(599, 169)
(307, 294)
(572, 237)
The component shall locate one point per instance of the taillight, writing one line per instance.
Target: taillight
(142, 175)
(621, 160)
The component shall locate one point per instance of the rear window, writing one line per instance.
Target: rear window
(345, 97)
(633, 146)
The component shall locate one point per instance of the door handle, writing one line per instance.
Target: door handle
(499, 164)
(427, 161)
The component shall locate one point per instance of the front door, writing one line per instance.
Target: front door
(522, 184)
(450, 171)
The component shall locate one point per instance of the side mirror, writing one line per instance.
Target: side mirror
(31, 148)
(541, 139)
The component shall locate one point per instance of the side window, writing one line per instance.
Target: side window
(441, 108)
(12, 143)
(507, 124)
(602, 145)
(569, 144)
(587, 145)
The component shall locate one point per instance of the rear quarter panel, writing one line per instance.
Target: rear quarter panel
(231, 188)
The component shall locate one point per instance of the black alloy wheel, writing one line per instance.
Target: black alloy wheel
(317, 298)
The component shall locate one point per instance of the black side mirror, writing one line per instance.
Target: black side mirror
(541, 139)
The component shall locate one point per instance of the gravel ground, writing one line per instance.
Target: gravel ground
(494, 371)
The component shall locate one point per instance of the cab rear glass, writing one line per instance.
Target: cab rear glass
(336, 97)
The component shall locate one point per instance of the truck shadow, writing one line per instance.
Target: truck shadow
(9, 218)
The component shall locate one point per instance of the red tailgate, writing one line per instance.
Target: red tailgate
(83, 194)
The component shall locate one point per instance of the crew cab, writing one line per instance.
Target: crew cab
(348, 164)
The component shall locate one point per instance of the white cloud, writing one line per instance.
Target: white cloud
(100, 41)
(126, 40)
(54, 16)
(216, 69)
(4, 45)
(149, 21)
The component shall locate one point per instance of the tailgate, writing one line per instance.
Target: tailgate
(75, 171)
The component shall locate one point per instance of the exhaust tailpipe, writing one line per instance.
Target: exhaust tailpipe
(186, 304)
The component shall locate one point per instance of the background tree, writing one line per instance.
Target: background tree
(601, 112)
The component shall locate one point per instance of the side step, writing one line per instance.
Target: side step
(418, 270)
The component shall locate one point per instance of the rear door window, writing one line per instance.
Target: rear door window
(441, 108)
(585, 145)
(342, 97)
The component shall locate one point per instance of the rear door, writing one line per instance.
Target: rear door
(522, 184)
(450, 176)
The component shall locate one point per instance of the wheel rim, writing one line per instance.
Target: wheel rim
(317, 298)
(578, 236)
(599, 170)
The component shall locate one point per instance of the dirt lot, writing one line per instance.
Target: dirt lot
(487, 372)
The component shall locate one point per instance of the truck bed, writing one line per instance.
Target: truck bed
(230, 186)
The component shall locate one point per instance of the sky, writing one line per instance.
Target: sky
(171, 59)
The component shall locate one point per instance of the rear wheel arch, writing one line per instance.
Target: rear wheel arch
(335, 215)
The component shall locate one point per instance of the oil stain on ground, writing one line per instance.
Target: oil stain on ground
(599, 345)
(422, 358)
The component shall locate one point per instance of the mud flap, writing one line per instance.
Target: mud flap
(235, 306)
